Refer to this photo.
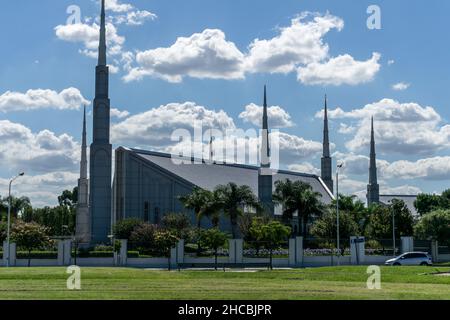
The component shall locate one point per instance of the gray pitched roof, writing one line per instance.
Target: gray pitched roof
(209, 175)
(408, 199)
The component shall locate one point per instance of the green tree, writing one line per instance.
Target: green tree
(69, 198)
(29, 236)
(273, 234)
(179, 224)
(18, 205)
(196, 201)
(124, 228)
(235, 199)
(380, 220)
(213, 239)
(164, 241)
(142, 238)
(353, 206)
(426, 203)
(299, 197)
(326, 226)
(444, 201)
(3, 232)
(434, 226)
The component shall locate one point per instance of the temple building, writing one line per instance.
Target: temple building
(147, 184)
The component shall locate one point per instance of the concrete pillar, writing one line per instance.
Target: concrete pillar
(236, 251)
(357, 250)
(180, 251)
(232, 251)
(173, 257)
(12, 254)
(435, 251)
(296, 252)
(64, 252)
(123, 253)
(407, 244)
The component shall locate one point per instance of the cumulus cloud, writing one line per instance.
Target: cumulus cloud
(300, 43)
(304, 168)
(278, 117)
(299, 47)
(40, 152)
(406, 128)
(437, 168)
(135, 18)
(401, 86)
(70, 98)
(343, 69)
(42, 189)
(116, 6)
(89, 34)
(203, 55)
(119, 114)
(155, 127)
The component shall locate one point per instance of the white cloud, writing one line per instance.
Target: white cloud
(300, 43)
(135, 18)
(401, 86)
(41, 189)
(293, 148)
(305, 168)
(119, 114)
(341, 70)
(406, 128)
(437, 168)
(202, 55)
(40, 152)
(89, 34)
(154, 128)
(278, 117)
(115, 6)
(299, 47)
(70, 98)
(391, 62)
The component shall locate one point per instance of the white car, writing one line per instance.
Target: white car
(411, 259)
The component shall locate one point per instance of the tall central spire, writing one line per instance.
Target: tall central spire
(373, 189)
(101, 149)
(102, 42)
(326, 168)
(83, 163)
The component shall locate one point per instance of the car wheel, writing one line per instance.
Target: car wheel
(397, 264)
(425, 264)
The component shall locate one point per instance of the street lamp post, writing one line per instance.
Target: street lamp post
(339, 166)
(393, 228)
(8, 256)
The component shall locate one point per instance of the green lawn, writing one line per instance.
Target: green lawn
(317, 283)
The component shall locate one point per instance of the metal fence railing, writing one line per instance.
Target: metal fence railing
(193, 249)
(325, 247)
(260, 249)
(422, 245)
(383, 247)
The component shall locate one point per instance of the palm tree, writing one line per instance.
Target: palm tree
(213, 208)
(234, 199)
(17, 205)
(196, 201)
(299, 197)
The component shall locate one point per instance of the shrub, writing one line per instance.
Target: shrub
(124, 228)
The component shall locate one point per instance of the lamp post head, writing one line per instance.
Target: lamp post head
(21, 174)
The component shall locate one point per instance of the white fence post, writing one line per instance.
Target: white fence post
(180, 251)
(407, 244)
(239, 250)
(232, 250)
(12, 254)
(357, 250)
(60, 252)
(123, 253)
(64, 252)
(295, 251)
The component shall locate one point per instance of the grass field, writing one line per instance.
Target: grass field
(317, 283)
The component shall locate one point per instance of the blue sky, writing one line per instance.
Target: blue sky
(412, 49)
